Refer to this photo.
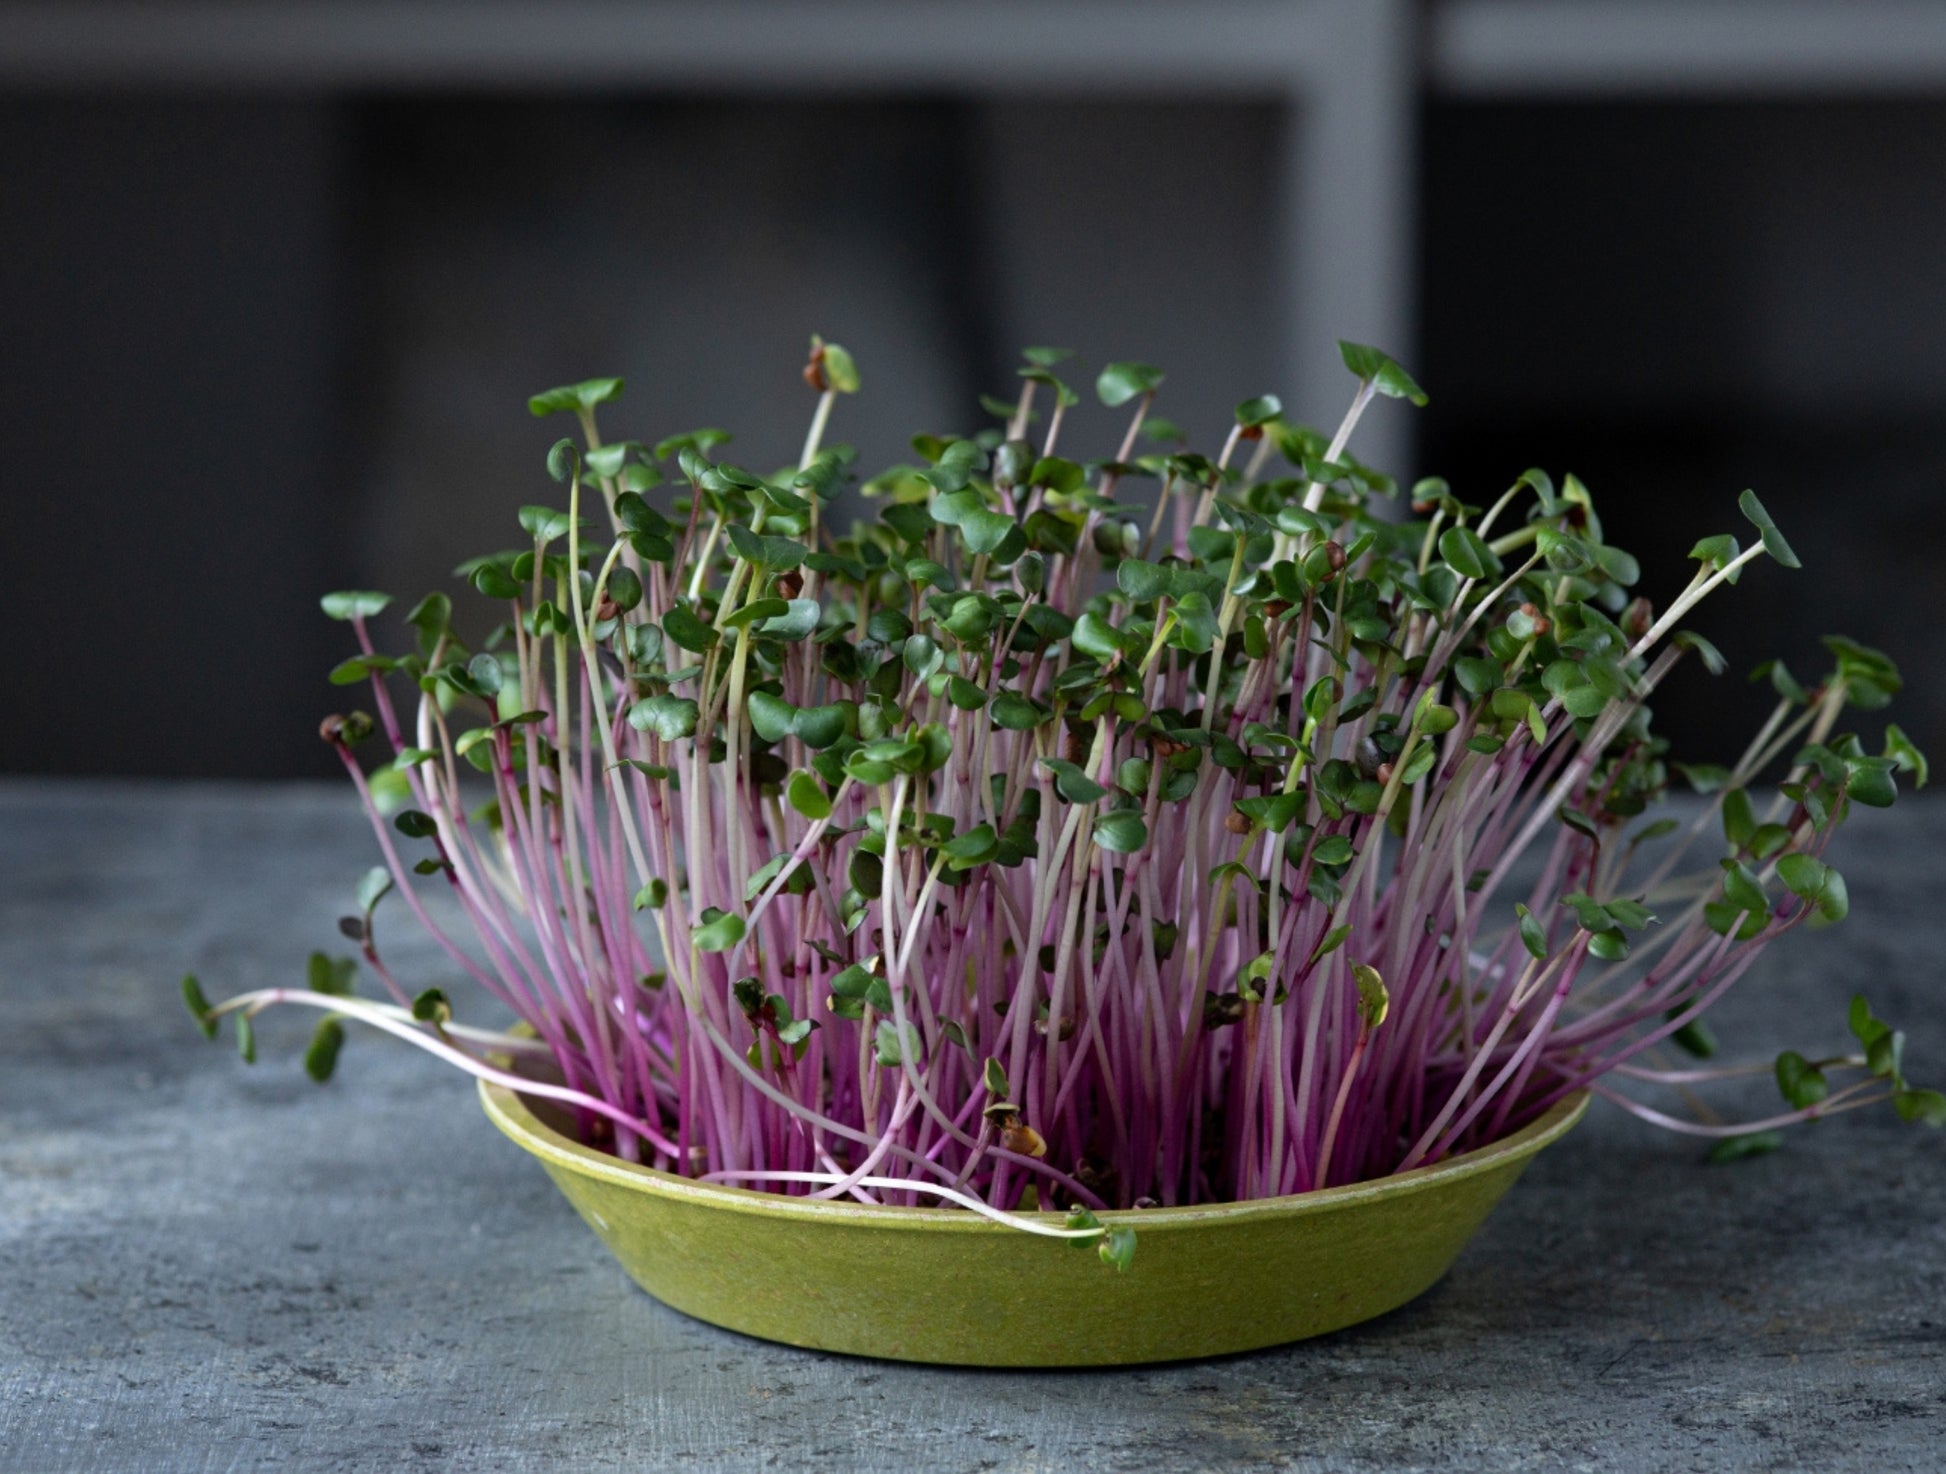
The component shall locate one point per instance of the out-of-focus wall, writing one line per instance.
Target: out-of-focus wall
(1676, 301)
(257, 346)
(692, 247)
(173, 448)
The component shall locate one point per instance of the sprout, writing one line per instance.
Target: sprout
(1023, 845)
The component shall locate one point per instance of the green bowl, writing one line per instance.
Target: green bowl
(924, 1284)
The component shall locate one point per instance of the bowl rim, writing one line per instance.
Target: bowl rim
(511, 1113)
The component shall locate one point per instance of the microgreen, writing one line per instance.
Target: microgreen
(1080, 833)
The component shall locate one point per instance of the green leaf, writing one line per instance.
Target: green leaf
(1532, 937)
(839, 370)
(1197, 624)
(1739, 818)
(1724, 916)
(1477, 676)
(1869, 781)
(975, 847)
(1142, 581)
(1782, 682)
(585, 395)
(1435, 720)
(1703, 777)
(1884, 1056)
(544, 524)
(1381, 372)
(1420, 763)
(1621, 567)
(668, 717)
(1743, 890)
(1750, 1144)
(322, 1056)
(993, 1076)
(330, 975)
(1096, 637)
(563, 461)
(198, 1005)
(1330, 942)
(1121, 382)
(1118, 1247)
(719, 931)
(871, 771)
(486, 673)
(1922, 1107)
(1800, 1082)
(1079, 1219)
(372, 888)
(414, 824)
(1774, 543)
(1058, 474)
(1254, 412)
(653, 896)
(1274, 811)
(799, 618)
(432, 1007)
(817, 727)
(1866, 1029)
(891, 1047)
(1719, 552)
(1256, 972)
(922, 655)
(494, 581)
(1584, 702)
(354, 603)
(246, 1039)
(762, 876)
(1870, 676)
(1812, 880)
(1464, 551)
(984, 530)
(1695, 1037)
(1121, 830)
(1909, 758)
(756, 609)
(351, 672)
(688, 631)
(1609, 946)
(771, 717)
(1579, 822)
(1629, 913)
(1335, 850)
(776, 553)
(1071, 783)
(1712, 658)
(1015, 713)
(1373, 1000)
(807, 796)
(431, 617)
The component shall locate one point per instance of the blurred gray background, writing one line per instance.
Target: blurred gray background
(277, 280)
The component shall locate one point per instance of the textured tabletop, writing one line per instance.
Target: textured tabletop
(204, 1266)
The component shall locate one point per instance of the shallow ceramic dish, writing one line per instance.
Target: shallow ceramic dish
(926, 1284)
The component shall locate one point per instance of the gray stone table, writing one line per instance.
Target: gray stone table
(204, 1266)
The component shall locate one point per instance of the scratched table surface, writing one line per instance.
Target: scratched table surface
(208, 1266)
